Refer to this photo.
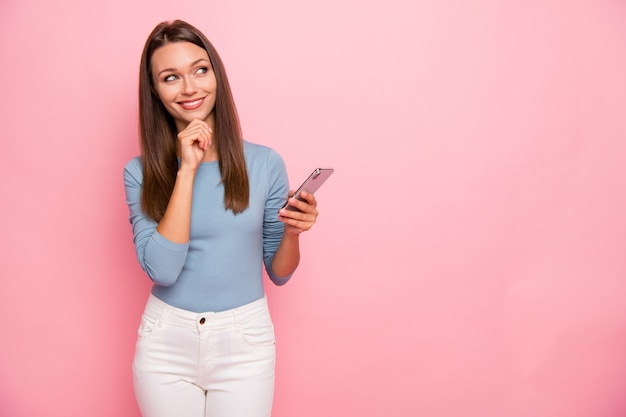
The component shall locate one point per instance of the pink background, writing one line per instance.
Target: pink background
(469, 256)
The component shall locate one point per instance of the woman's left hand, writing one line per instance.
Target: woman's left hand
(297, 222)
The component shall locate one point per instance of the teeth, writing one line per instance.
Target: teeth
(191, 103)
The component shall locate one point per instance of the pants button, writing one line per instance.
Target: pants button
(202, 320)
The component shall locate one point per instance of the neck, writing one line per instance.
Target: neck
(210, 155)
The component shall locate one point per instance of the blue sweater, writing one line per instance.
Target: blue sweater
(221, 266)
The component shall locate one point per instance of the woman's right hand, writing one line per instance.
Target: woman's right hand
(194, 141)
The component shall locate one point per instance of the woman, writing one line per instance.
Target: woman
(205, 209)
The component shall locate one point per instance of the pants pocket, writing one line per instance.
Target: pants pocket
(146, 327)
(259, 331)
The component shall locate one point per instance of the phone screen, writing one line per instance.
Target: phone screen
(311, 184)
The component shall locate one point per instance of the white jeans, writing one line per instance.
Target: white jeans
(205, 364)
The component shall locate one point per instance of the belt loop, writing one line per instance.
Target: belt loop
(162, 315)
(237, 324)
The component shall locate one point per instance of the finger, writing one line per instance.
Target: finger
(196, 133)
(304, 206)
(297, 226)
(309, 197)
(204, 136)
(300, 206)
(304, 211)
(202, 126)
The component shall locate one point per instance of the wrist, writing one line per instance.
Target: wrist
(291, 235)
(185, 171)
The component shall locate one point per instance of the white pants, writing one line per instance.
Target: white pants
(205, 364)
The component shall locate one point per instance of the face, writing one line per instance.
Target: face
(185, 82)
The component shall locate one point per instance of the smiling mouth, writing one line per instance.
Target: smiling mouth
(191, 104)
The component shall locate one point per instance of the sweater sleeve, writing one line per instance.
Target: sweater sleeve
(161, 259)
(272, 227)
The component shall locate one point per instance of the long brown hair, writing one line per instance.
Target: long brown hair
(158, 130)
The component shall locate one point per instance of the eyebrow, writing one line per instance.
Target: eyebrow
(194, 63)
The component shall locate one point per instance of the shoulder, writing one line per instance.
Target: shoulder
(264, 164)
(134, 169)
(255, 153)
(257, 150)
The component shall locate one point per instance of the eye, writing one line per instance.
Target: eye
(170, 77)
(202, 70)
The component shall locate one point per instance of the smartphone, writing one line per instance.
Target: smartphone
(311, 184)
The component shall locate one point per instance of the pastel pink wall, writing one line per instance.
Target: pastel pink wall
(469, 256)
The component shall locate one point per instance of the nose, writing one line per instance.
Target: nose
(189, 87)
